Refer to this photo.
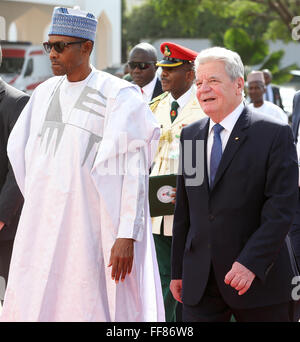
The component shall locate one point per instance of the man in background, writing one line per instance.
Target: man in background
(256, 91)
(272, 93)
(142, 69)
(12, 101)
(174, 109)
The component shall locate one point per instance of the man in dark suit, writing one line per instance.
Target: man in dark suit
(295, 230)
(12, 102)
(142, 68)
(272, 93)
(296, 115)
(230, 251)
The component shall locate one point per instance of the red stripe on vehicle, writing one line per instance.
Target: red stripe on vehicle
(33, 53)
(13, 53)
(13, 80)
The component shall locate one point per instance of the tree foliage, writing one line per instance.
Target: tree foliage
(240, 25)
(255, 54)
(238, 40)
(148, 21)
(278, 14)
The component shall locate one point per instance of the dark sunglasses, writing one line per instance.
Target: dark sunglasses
(140, 65)
(59, 46)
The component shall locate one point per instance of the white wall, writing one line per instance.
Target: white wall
(112, 10)
(69, 3)
(2, 28)
(33, 17)
(292, 52)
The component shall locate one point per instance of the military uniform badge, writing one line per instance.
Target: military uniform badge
(167, 51)
(173, 113)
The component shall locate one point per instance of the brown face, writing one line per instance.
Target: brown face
(69, 60)
(141, 58)
(256, 91)
(177, 80)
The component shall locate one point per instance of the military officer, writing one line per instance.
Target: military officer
(174, 109)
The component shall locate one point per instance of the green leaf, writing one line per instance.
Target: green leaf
(238, 40)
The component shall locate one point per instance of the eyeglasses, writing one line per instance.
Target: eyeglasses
(140, 65)
(59, 46)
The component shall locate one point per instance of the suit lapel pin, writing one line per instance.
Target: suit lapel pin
(237, 138)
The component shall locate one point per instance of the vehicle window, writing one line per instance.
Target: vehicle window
(11, 65)
(29, 68)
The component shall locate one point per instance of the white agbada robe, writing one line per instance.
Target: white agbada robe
(271, 109)
(74, 210)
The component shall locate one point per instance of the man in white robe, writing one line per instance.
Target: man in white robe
(81, 151)
(256, 90)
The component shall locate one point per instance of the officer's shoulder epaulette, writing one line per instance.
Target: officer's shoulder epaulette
(154, 102)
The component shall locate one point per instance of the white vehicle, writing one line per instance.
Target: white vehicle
(24, 66)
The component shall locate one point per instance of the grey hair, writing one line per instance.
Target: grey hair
(150, 49)
(267, 71)
(233, 64)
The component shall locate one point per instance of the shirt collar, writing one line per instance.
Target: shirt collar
(149, 88)
(183, 99)
(230, 120)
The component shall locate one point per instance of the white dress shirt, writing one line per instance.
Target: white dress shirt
(227, 123)
(148, 90)
(182, 100)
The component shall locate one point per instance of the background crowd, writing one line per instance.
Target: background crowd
(191, 261)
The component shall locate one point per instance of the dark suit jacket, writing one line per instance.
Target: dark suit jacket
(277, 97)
(295, 230)
(244, 217)
(157, 90)
(12, 101)
(296, 115)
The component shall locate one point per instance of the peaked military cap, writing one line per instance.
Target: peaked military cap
(175, 55)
